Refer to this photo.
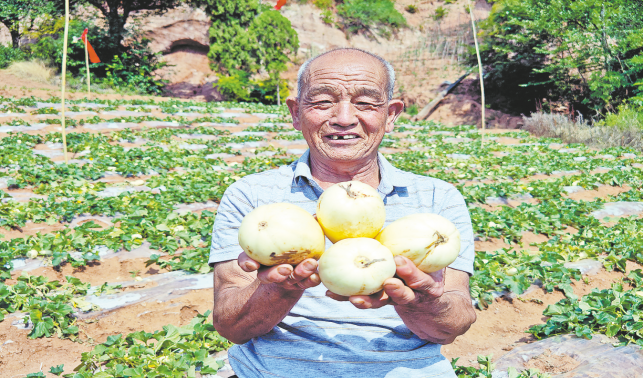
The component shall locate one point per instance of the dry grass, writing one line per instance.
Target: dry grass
(33, 70)
(560, 126)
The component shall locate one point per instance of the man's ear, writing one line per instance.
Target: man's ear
(395, 108)
(293, 106)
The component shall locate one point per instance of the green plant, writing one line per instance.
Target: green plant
(585, 54)
(9, 55)
(239, 87)
(134, 73)
(614, 312)
(440, 12)
(171, 352)
(323, 4)
(626, 117)
(328, 17)
(357, 16)
(411, 8)
(238, 37)
(412, 109)
(486, 369)
(21, 16)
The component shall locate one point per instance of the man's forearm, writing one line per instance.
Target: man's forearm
(242, 313)
(440, 320)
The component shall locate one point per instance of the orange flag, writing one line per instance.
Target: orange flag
(280, 4)
(92, 54)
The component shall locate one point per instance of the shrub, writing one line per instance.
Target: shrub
(34, 70)
(586, 53)
(627, 117)
(360, 15)
(323, 4)
(131, 70)
(440, 12)
(411, 8)
(412, 109)
(240, 87)
(248, 36)
(9, 55)
(580, 131)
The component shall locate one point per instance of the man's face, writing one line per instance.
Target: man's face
(344, 112)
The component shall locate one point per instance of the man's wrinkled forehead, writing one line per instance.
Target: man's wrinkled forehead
(354, 71)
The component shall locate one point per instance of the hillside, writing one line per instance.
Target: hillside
(425, 55)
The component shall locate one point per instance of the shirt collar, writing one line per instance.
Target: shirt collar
(391, 177)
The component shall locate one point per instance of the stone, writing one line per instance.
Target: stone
(459, 156)
(628, 156)
(568, 150)
(580, 158)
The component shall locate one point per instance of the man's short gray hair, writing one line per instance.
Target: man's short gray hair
(304, 70)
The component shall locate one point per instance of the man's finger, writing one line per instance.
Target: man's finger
(417, 279)
(302, 271)
(275, 274)
(377, 300)
(247, 264)
(336, 297)
(398, 292)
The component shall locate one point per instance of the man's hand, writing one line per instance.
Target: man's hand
(412, 287)
(300, 277)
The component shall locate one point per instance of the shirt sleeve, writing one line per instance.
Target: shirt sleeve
(455, 209)
(236, 203)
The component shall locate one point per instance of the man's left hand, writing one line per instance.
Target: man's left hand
(412, 287)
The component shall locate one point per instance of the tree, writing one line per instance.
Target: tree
(117, 12)
(586, 53)
(20, 15)
(248, 36)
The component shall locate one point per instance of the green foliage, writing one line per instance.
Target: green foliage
(9, 55)
(240, 87)
(248, 36)
(440, 12)
(134, 73)
(412, 109)
(362, 15)
(615, 312)
(49, 304)
(486, 368)
(411, 8)
(172, 352)
(132, 70)
(585, 53)
(323, 4)
(22, 15)
(625, 117)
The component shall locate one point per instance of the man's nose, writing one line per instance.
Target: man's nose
(345, 115)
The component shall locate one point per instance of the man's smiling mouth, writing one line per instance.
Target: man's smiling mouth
(342, 137)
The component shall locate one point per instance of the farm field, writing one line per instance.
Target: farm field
(105, 258)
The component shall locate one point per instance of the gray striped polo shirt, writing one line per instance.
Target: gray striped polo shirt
(321, 337)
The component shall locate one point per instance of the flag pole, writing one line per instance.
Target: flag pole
(64, 79)
(89, 84)
(475, 39)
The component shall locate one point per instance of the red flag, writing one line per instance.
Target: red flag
(92, 54)
(280, 4)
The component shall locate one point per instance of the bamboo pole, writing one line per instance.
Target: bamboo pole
(64, 79)
(475, 39)
(89, 83)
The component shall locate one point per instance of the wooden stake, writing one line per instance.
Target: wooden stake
(475, 39)
(64, 78)
(89, 84)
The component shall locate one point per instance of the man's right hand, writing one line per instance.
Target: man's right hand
(299, 278)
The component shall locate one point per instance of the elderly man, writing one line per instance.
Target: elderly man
(288, 325)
